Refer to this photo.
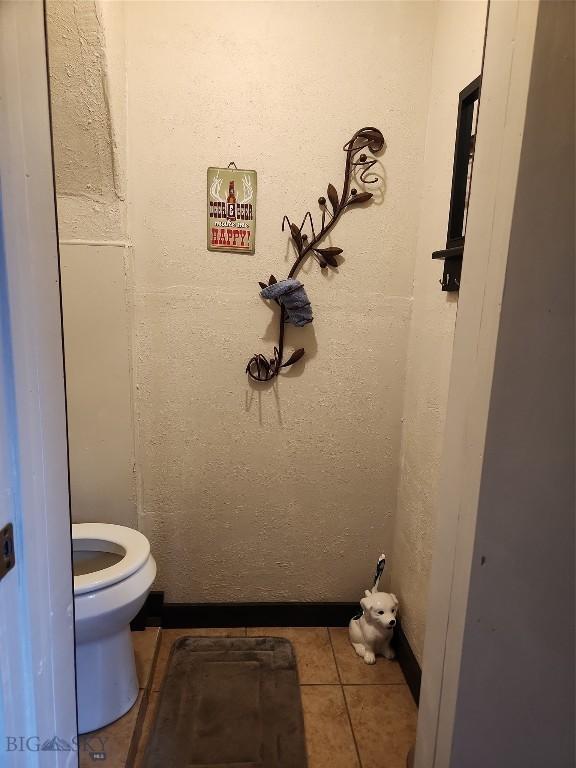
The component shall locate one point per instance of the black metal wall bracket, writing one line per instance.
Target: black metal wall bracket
(452, 267)
(468, 102)
(307, 237)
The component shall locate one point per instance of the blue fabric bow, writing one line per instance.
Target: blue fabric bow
(291, 294)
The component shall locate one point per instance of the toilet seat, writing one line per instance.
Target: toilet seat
(90, 536)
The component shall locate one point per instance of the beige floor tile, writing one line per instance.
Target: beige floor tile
(146, 730)
(169, 636)
(114, 740)
(329, 737)
(352, 668)
(145, 642)
(384, 723)
(316, 665)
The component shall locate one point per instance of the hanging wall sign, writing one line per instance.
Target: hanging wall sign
(231, 209)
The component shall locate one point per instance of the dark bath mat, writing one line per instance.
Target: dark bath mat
(229, 702)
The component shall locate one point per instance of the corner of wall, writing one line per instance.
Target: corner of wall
(459, 35)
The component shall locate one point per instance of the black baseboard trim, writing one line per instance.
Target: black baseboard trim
(257, 614)
(150, 615)
(157, 613)
(408, 662)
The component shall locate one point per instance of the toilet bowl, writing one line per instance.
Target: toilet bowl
(113, 573)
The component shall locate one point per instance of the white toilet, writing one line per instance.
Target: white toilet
(113, 573)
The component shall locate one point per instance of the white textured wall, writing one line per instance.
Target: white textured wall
(282, 493)
(98, 342)
(87, 153)
(88, 93)
(457, 61)
(273, 493)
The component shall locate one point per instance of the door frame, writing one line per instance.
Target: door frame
(37, 687)
(496, 553)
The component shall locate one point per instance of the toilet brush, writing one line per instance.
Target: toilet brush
(379, 571)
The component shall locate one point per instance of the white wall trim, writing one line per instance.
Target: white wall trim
(98, 243)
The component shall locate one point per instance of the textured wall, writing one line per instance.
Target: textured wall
(285, 492)
(88, 159)
(459, 37)
(98, 343)
(88, 92)
(247, 493)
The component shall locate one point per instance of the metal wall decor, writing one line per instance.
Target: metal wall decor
(289, 293)
(468, 103)
(231, 209)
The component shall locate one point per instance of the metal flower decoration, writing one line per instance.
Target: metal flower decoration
(290, 293)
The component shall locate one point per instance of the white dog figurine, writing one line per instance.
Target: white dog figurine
(371, 633)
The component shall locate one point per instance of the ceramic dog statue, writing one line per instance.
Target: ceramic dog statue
(371, 633)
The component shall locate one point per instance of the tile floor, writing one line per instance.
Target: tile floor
(118, 740)
(356, 716)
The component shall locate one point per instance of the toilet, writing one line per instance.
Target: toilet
(113, 573)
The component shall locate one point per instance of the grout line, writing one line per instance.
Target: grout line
(137, 730)
(154, 660)
(335, 657)
(161, 638)
(143, 713)
(344, 697)
(374, 685)
(358, 685)
(143, 737)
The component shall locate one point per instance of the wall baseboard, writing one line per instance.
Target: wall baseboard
(258, 614)
(150, 615)
(408, 662)
(157, 613)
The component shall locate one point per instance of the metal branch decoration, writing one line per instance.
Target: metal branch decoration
(289, 294)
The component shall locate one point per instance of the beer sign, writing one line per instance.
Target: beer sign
(231, 210)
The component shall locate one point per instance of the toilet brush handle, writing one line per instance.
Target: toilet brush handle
(379, 571)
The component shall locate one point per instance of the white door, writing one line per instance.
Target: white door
(498, 675)
(37, 680)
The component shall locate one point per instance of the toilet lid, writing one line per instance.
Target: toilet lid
(105, 537)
